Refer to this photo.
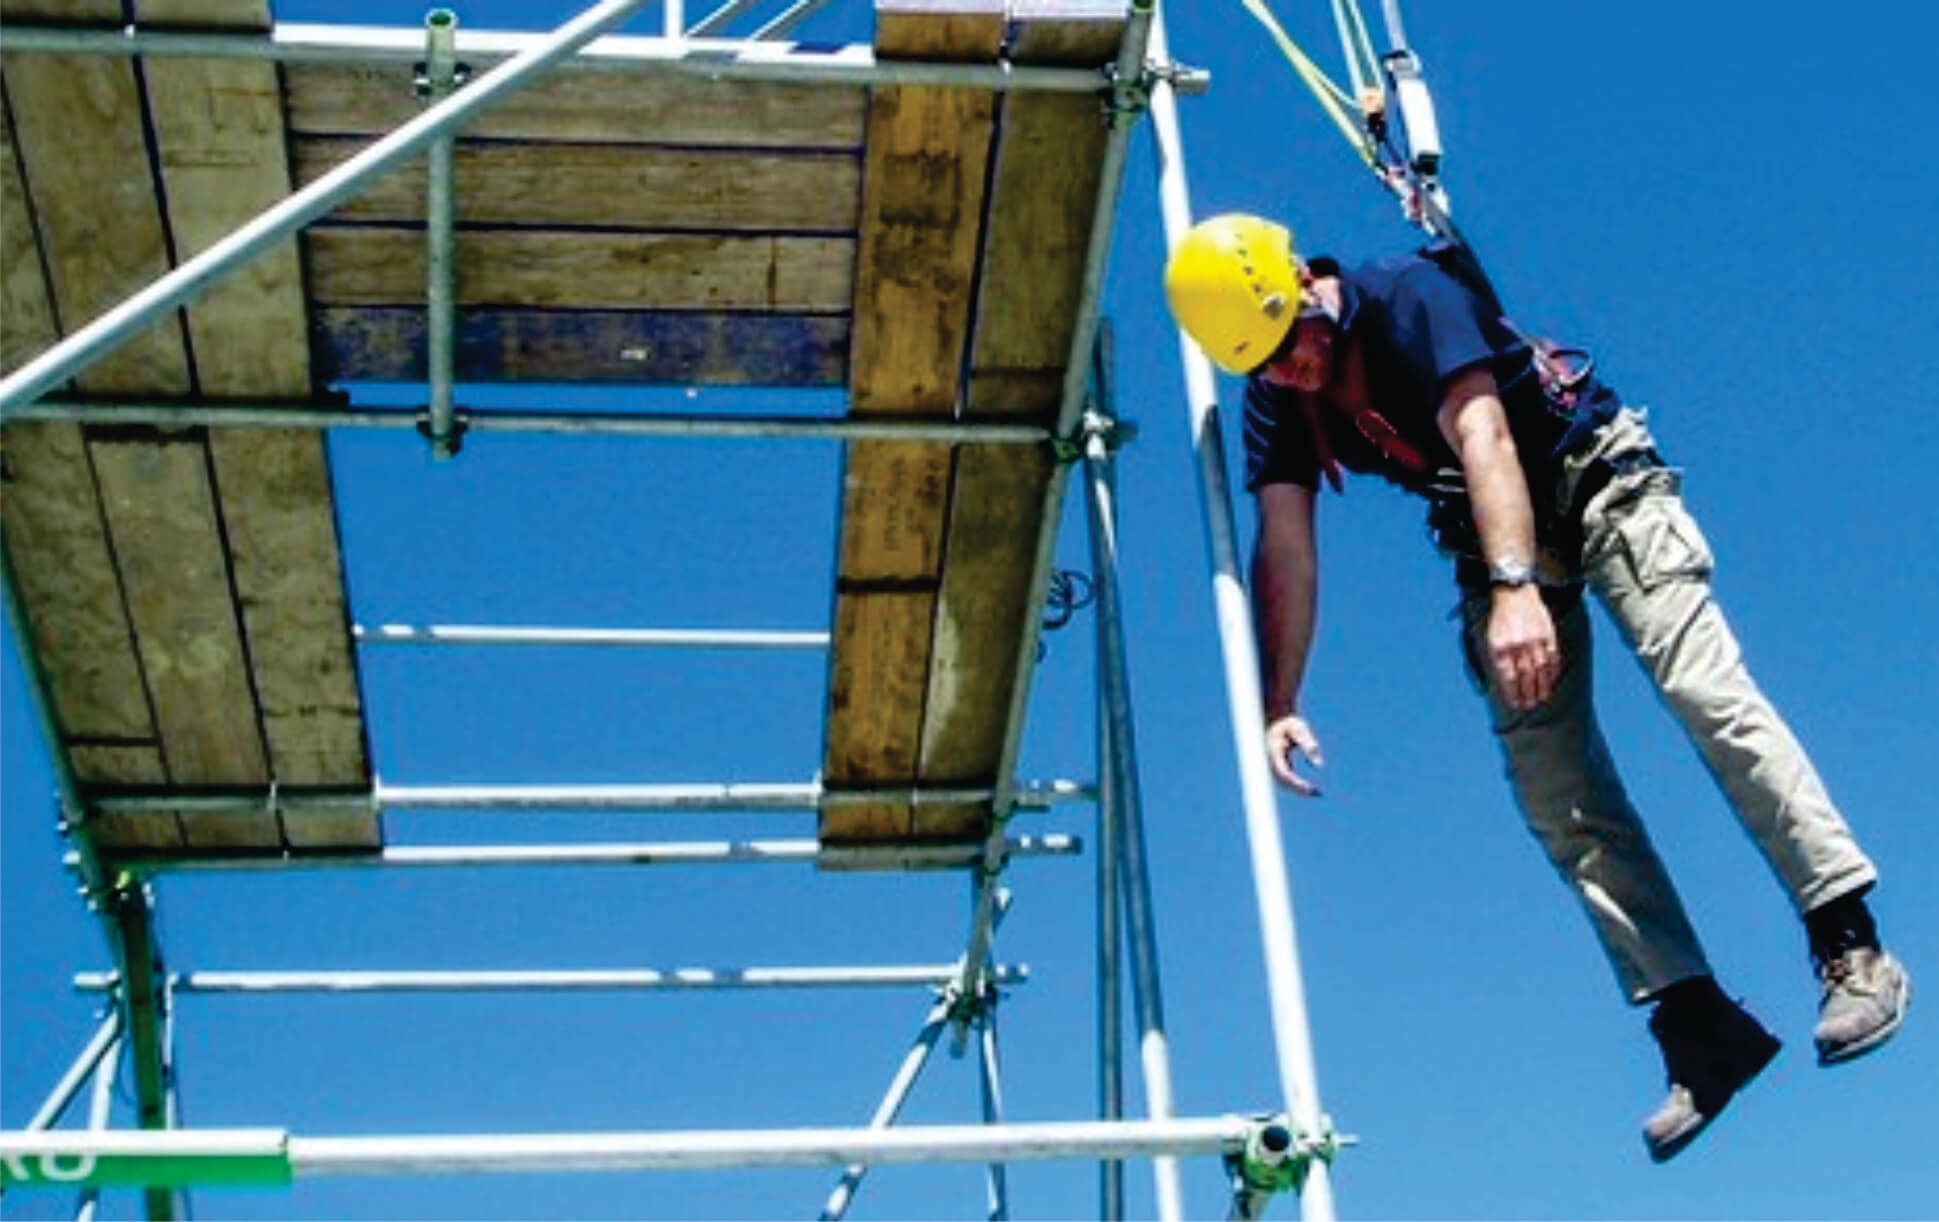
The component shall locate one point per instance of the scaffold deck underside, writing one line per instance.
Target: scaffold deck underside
(182, 588)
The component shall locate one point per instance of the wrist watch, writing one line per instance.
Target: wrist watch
(1511, 573)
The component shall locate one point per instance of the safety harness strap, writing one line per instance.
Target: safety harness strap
(1332, 99)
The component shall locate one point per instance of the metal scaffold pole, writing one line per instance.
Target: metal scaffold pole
(105, 1043)
(1272, 885)
(692, 979)
(673, 425)
(1119, 794)
(891, 1106)
(100, 1108)
(1127, 71)
(989, 1063)
(440, 81)
(274, 1156)
(1110, 1009)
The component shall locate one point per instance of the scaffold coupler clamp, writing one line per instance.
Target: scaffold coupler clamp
(1128, 94)
(1110, 430)
(1278, 1156)
(451, 441)
(441, 72)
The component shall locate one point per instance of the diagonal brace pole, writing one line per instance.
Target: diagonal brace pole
(904, 1081)
(105, 1043)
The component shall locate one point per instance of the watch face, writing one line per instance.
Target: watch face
(1511, 574)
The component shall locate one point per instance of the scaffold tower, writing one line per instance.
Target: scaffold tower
(214, 223)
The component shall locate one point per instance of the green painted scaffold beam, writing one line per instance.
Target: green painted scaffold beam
(231, 1158)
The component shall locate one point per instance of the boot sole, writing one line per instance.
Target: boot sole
(1670, 1147)
(1874, 1041)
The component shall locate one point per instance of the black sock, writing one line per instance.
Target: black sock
(1690, 995)
(1841, 925)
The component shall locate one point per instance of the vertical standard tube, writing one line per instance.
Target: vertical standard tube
(104, 334)
(1272, 885)
(890, 1107)
(1130, 66)
(992, 1076)
(1097, 260)
(1110, 1018)
(1121, 790)
(143, 999)
(1110, 989)
(441, 275)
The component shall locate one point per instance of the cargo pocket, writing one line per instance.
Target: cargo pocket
(1656, 542)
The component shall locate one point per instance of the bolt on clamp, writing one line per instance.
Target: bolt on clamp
(1129, 93)
(1111, 430)
(1279, 1155)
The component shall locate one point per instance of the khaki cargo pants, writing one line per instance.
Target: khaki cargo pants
(1650, 567)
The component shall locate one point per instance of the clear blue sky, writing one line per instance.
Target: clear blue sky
(1732, 204)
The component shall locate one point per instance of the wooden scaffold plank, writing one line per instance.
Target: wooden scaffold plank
(78, 122)
(922, 205)
(76, 623)
(680, 347)
(666, 245)
(1049, 158)
(223, 159)
(611, 186)
(202, 568)
(592, 106)
(520, 268)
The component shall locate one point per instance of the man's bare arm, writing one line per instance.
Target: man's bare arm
(1285, 587)
(1521, 633)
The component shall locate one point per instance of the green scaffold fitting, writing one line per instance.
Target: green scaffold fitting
(1278, 1156)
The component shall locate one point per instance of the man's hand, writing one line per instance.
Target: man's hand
(1522, 647)
(1286, 737)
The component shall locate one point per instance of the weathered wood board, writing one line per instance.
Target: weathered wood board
(183, 591)
(922, 204)
(224, 158)
(1048, 161)
(522, 268)
(592, 106)
(611, 186)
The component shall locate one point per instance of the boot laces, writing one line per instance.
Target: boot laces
(1838, 969)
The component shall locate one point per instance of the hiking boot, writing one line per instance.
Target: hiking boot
(1864, 999)
(1711, 1047)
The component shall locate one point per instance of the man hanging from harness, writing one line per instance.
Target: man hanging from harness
(1540, 483)
(1538, 486)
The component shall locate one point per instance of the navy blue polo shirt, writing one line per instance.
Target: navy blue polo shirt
(1418, 324)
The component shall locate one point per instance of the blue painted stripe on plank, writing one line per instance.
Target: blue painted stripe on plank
(386, 344)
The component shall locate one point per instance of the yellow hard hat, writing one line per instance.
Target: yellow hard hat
(1233, 285)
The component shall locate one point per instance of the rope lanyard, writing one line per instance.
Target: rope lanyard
(1363, 68)
(1361, 117)
(1332, 99)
